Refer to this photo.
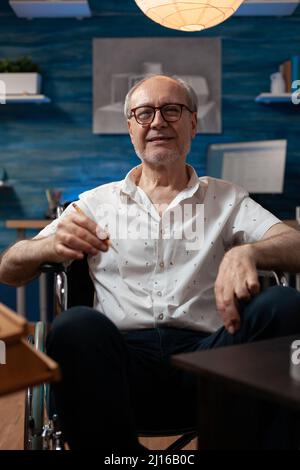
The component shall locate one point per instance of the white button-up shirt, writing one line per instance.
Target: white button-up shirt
(157, 277)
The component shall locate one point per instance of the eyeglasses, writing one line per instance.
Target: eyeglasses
(170, 112)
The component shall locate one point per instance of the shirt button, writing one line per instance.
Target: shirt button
(159, 293)
(160, 316)
(161, 264)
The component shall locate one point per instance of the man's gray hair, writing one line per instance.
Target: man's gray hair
(192, 100)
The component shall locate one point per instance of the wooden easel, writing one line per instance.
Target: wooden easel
(25, 366)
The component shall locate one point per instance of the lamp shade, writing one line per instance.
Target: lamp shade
(188, 15)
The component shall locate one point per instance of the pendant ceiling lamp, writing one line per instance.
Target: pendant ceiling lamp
(188, 15)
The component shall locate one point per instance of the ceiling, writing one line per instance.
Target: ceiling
(129, 7)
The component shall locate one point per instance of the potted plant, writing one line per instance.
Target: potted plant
(21, 76)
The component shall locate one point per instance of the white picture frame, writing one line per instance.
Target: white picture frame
(118, 63)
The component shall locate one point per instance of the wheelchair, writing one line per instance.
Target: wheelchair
(73, 286)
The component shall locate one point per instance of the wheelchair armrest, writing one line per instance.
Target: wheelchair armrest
(52, 268)
(60, 284)
(277, 277)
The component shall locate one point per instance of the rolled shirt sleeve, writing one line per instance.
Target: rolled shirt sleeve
(248, 223)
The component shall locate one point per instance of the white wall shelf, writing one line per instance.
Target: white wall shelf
(27, 99)
(270, 98)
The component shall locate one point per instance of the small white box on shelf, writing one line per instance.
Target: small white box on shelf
(22, 83)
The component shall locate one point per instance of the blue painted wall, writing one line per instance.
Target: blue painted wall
(52, 145)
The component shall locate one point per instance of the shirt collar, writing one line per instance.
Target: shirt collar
(129, 187)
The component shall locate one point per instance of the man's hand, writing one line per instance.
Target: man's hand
(75, 236)
(237, 279)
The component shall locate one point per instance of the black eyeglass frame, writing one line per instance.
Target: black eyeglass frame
(155, 108)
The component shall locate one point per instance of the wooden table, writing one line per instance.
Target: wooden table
(21, 226)
(258, 370)
(23, 365)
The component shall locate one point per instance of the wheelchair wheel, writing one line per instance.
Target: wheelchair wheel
(35, 401)
(42, 428)
(27, 414)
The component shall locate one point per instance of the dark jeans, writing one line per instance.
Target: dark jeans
(117, 383)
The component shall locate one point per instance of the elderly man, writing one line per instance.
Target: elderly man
(158, 290)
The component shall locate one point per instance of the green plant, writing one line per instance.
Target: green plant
(24, 64)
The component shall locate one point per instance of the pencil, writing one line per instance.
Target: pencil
(106, 240)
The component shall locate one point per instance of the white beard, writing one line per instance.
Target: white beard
(159, 158)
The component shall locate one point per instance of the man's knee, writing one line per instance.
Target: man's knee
(276, 306)
(80, 325)
(277, 298)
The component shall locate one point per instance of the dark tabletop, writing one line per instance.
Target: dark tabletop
(261, 368)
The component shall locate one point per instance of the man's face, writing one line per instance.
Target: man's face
(161, 142)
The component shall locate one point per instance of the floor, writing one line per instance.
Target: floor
(160, 443)
(12, 422)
